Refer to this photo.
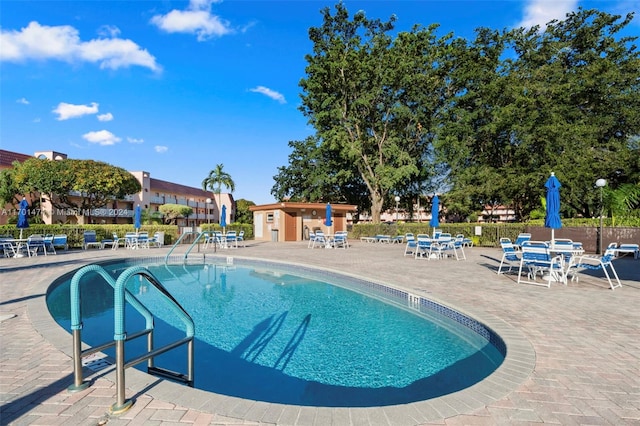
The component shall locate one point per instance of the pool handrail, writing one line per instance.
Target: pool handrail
(122, 295)
(200, 235)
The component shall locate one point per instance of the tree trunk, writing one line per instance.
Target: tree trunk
(376, 207)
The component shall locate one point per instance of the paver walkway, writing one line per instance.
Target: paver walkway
(585, 338)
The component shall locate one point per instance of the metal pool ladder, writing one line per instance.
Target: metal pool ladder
(121, 294)
(200, 236)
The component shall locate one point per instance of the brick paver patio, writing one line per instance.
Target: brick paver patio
(574, 351)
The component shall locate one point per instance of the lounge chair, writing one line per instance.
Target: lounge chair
(241, 237)
(593, 263)
(312, 238)
(537, 258)
(466, 242)
(623, 249)
(111, 242)
(383, 239)
(369, 239)
(60, 241)
(90, 240)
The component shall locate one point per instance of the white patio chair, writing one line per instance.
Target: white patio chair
(312, 238)
(594, 263)
(410, 247)
(340, 240)
(143, 240)
(320, 240)
(48, 244)
(425, 247)
(110, 242)
(522, 237)
(131, 240)
(8, 249)
(35, 243)
(232, 239)
(509, 257)
(537, 258)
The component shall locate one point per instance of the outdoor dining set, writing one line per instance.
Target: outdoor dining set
(557, 260)
(218, 239)
(322, 240)
(442, 245)
(32, 245)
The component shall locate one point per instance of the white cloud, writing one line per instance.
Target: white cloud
(197, 19)
(41, 42)
(541, 12)
(66, 111)
(109, 31)
(101, 137)
(134, 140)
(161, 149)
(23, 101)
(105, 117)
(270, 93)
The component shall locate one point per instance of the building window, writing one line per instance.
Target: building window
(269, 217)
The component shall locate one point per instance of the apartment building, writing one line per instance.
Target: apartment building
(206, 205)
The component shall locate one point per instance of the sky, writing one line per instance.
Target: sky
(174, 88)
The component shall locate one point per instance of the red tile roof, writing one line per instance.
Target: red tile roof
(157, 185)
(8, 157)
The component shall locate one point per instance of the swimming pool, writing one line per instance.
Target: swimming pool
(281, 334)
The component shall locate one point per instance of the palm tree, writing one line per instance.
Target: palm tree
(216, 180)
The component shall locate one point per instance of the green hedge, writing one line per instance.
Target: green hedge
(490, 235)
(75, 233)
(490, 232)
(609, 222)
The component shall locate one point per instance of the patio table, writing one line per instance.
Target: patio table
(569, 255)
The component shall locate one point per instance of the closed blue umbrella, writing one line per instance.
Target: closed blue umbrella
(136, 217)
(552, 216)
(327, 219)
(223, 217)
(435, 211)
(22, 216)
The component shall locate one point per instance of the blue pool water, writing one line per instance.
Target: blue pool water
(280, 335)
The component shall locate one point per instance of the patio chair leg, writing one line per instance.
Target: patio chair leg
(604, 268)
